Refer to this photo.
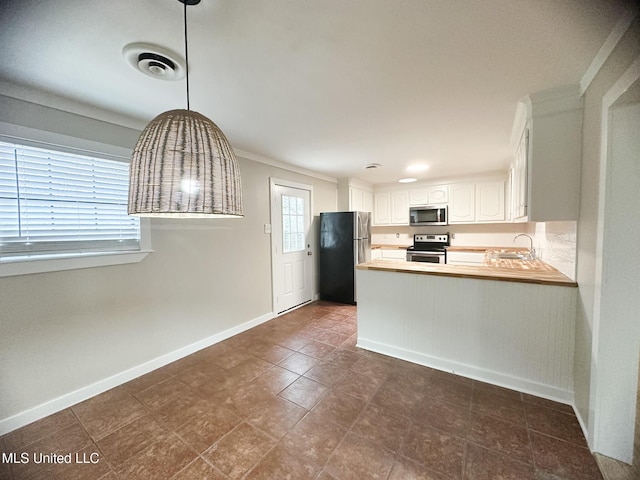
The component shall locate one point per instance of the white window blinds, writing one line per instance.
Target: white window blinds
(55, 202)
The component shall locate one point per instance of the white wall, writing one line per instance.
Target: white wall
(64, 331)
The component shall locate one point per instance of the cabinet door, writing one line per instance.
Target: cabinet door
(356, 199)
(465, 258)
(429, 195)
(418, 196)
(360, 200)
(520, 180)
(508, 195)
(395, 254)
(462, 205)
(382, 209)
(490, 202)
(436, 195)
(367, 201)
(399, 208)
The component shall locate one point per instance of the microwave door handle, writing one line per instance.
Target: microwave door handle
(439, 211)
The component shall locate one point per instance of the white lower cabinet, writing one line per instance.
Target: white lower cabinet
(465, 258)
(394, 254)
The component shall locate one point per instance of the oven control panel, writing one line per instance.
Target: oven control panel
(422, 238)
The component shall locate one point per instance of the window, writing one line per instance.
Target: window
(292, 224)
(58, 204)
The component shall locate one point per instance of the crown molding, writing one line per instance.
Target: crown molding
(285, 166)
(609, 45)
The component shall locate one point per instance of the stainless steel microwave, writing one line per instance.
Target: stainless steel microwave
(428, 215)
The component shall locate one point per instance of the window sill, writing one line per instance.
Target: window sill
(54, 263)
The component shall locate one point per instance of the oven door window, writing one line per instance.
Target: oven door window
(426, 258)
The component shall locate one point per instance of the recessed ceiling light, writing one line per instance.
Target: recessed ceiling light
(420, 167)
(407, 180)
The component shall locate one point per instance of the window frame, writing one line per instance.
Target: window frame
(24, 265)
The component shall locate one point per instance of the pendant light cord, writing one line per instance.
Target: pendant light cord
(186, 52)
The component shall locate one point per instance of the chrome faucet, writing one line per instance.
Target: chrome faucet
(532, 251)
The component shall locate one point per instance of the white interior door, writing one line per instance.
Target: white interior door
(291, 246)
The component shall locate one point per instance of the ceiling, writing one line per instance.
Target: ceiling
(326, 85)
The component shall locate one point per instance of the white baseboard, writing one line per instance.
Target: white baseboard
(65, 401)
(583, 426)
(470, 371)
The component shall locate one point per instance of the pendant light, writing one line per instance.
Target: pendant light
(183, 165)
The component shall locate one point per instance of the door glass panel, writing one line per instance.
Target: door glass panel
(292, 224)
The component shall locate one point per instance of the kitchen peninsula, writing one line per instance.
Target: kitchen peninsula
(512, 327)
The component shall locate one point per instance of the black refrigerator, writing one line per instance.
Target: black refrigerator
(345, 241)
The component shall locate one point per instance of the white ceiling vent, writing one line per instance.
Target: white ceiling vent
(155, 61)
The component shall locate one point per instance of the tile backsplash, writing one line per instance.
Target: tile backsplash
(556, 243)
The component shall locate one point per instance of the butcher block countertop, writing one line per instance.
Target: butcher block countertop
(452, 248)
(384, 246)
(524, 271)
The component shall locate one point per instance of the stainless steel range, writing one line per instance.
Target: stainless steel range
(428, 248)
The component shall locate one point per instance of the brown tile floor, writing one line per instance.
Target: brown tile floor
(294, 398)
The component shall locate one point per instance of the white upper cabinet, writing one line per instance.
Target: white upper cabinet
(360, 200)
(462, 204)
(391, 208)
(438, 195)
(469, 202)
(429, 195)
(490, 202)
(519, 188)
(399, 208)
(354, 195)
(547, 168)
(382, 208)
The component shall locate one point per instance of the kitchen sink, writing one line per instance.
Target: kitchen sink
(509, 256)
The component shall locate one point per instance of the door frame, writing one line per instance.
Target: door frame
(605, 362)
(273, 182)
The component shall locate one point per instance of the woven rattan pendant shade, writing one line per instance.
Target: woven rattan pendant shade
(183, 166)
